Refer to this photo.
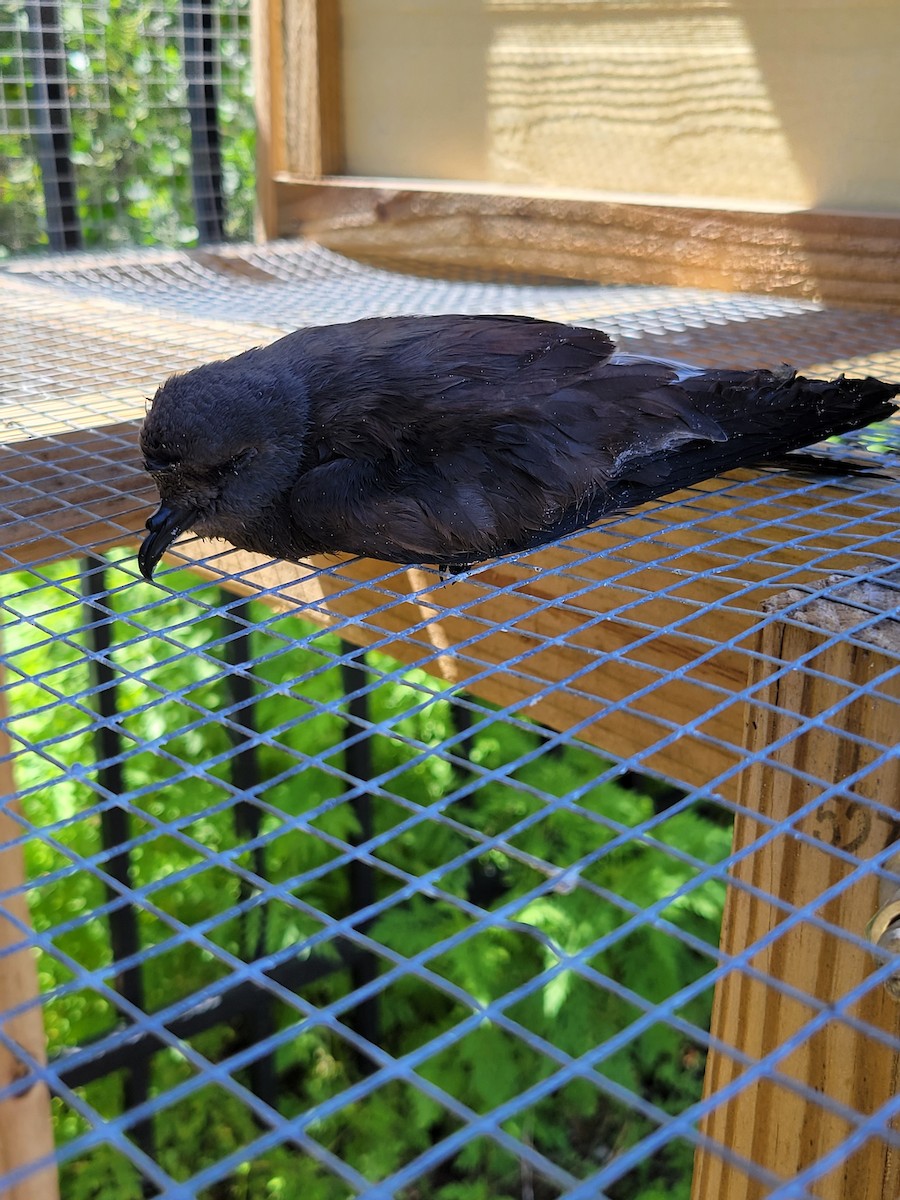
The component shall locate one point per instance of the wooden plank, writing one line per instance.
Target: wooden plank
(71, 491)
(513, 658)
(840, 257)
(703, 99)
(416, 87)
(698, 99)
(267, 48)
(26, 1132)
(767, 1123)
(78, 490)
(313, 108)
(669, 99)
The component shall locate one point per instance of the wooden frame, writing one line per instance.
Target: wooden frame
(842, 257)
(766, 1122)
(26, 1132)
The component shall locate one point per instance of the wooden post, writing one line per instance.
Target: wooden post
(267, 48)
(313, 106)
(26, 1133)
(767, 1123)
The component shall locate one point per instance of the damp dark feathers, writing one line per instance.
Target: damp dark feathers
(454, 439)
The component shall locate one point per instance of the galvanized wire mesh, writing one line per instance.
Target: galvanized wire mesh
(103, 107)
(351, 882)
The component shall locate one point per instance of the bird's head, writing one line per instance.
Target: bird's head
(223, 443)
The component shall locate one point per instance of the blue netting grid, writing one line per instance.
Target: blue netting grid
(348, 881)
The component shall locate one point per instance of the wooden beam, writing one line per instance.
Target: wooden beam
(633, 617)
(26, 1132)
(313, 116)
(767, 1123)
(267, 48)
(840, 257)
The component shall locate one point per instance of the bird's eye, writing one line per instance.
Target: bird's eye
(157, 465)
(237, 461)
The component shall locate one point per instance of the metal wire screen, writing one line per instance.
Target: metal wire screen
(349, 882)
(124, 122)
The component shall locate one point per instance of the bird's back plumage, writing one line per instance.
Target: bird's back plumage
(454, 439)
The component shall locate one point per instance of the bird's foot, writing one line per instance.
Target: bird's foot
(448, 573)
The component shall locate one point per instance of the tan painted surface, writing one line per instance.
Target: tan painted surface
(795, 103)
(414, 87)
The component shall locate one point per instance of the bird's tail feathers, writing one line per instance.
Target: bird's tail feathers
(841, 405)
(790, 411)
(821, 464)
(766, 415)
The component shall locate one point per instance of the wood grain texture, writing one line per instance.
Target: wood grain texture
(26, 1133)
(791, 103)
(669, 98)
(839, 257)
(267, 47)
(768, 1123)
(313, 107)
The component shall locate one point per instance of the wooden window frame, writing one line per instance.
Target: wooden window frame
(839, 257)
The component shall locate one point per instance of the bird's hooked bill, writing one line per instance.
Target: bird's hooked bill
(164, 527)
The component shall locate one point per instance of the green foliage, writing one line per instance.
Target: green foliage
(578, 983)
(130, 135)
(21, 200)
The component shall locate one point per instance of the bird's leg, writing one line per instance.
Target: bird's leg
(447, 573)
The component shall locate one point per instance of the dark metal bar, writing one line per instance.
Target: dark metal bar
(244, 765)
(461, 719)
(198, 23)
(141, 1044)
(52, 124)
(258, 1021)
(114, 824)
(358, 764)
(664, 795)
(485, 883)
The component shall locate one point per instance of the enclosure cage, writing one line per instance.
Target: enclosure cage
(573, 876)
